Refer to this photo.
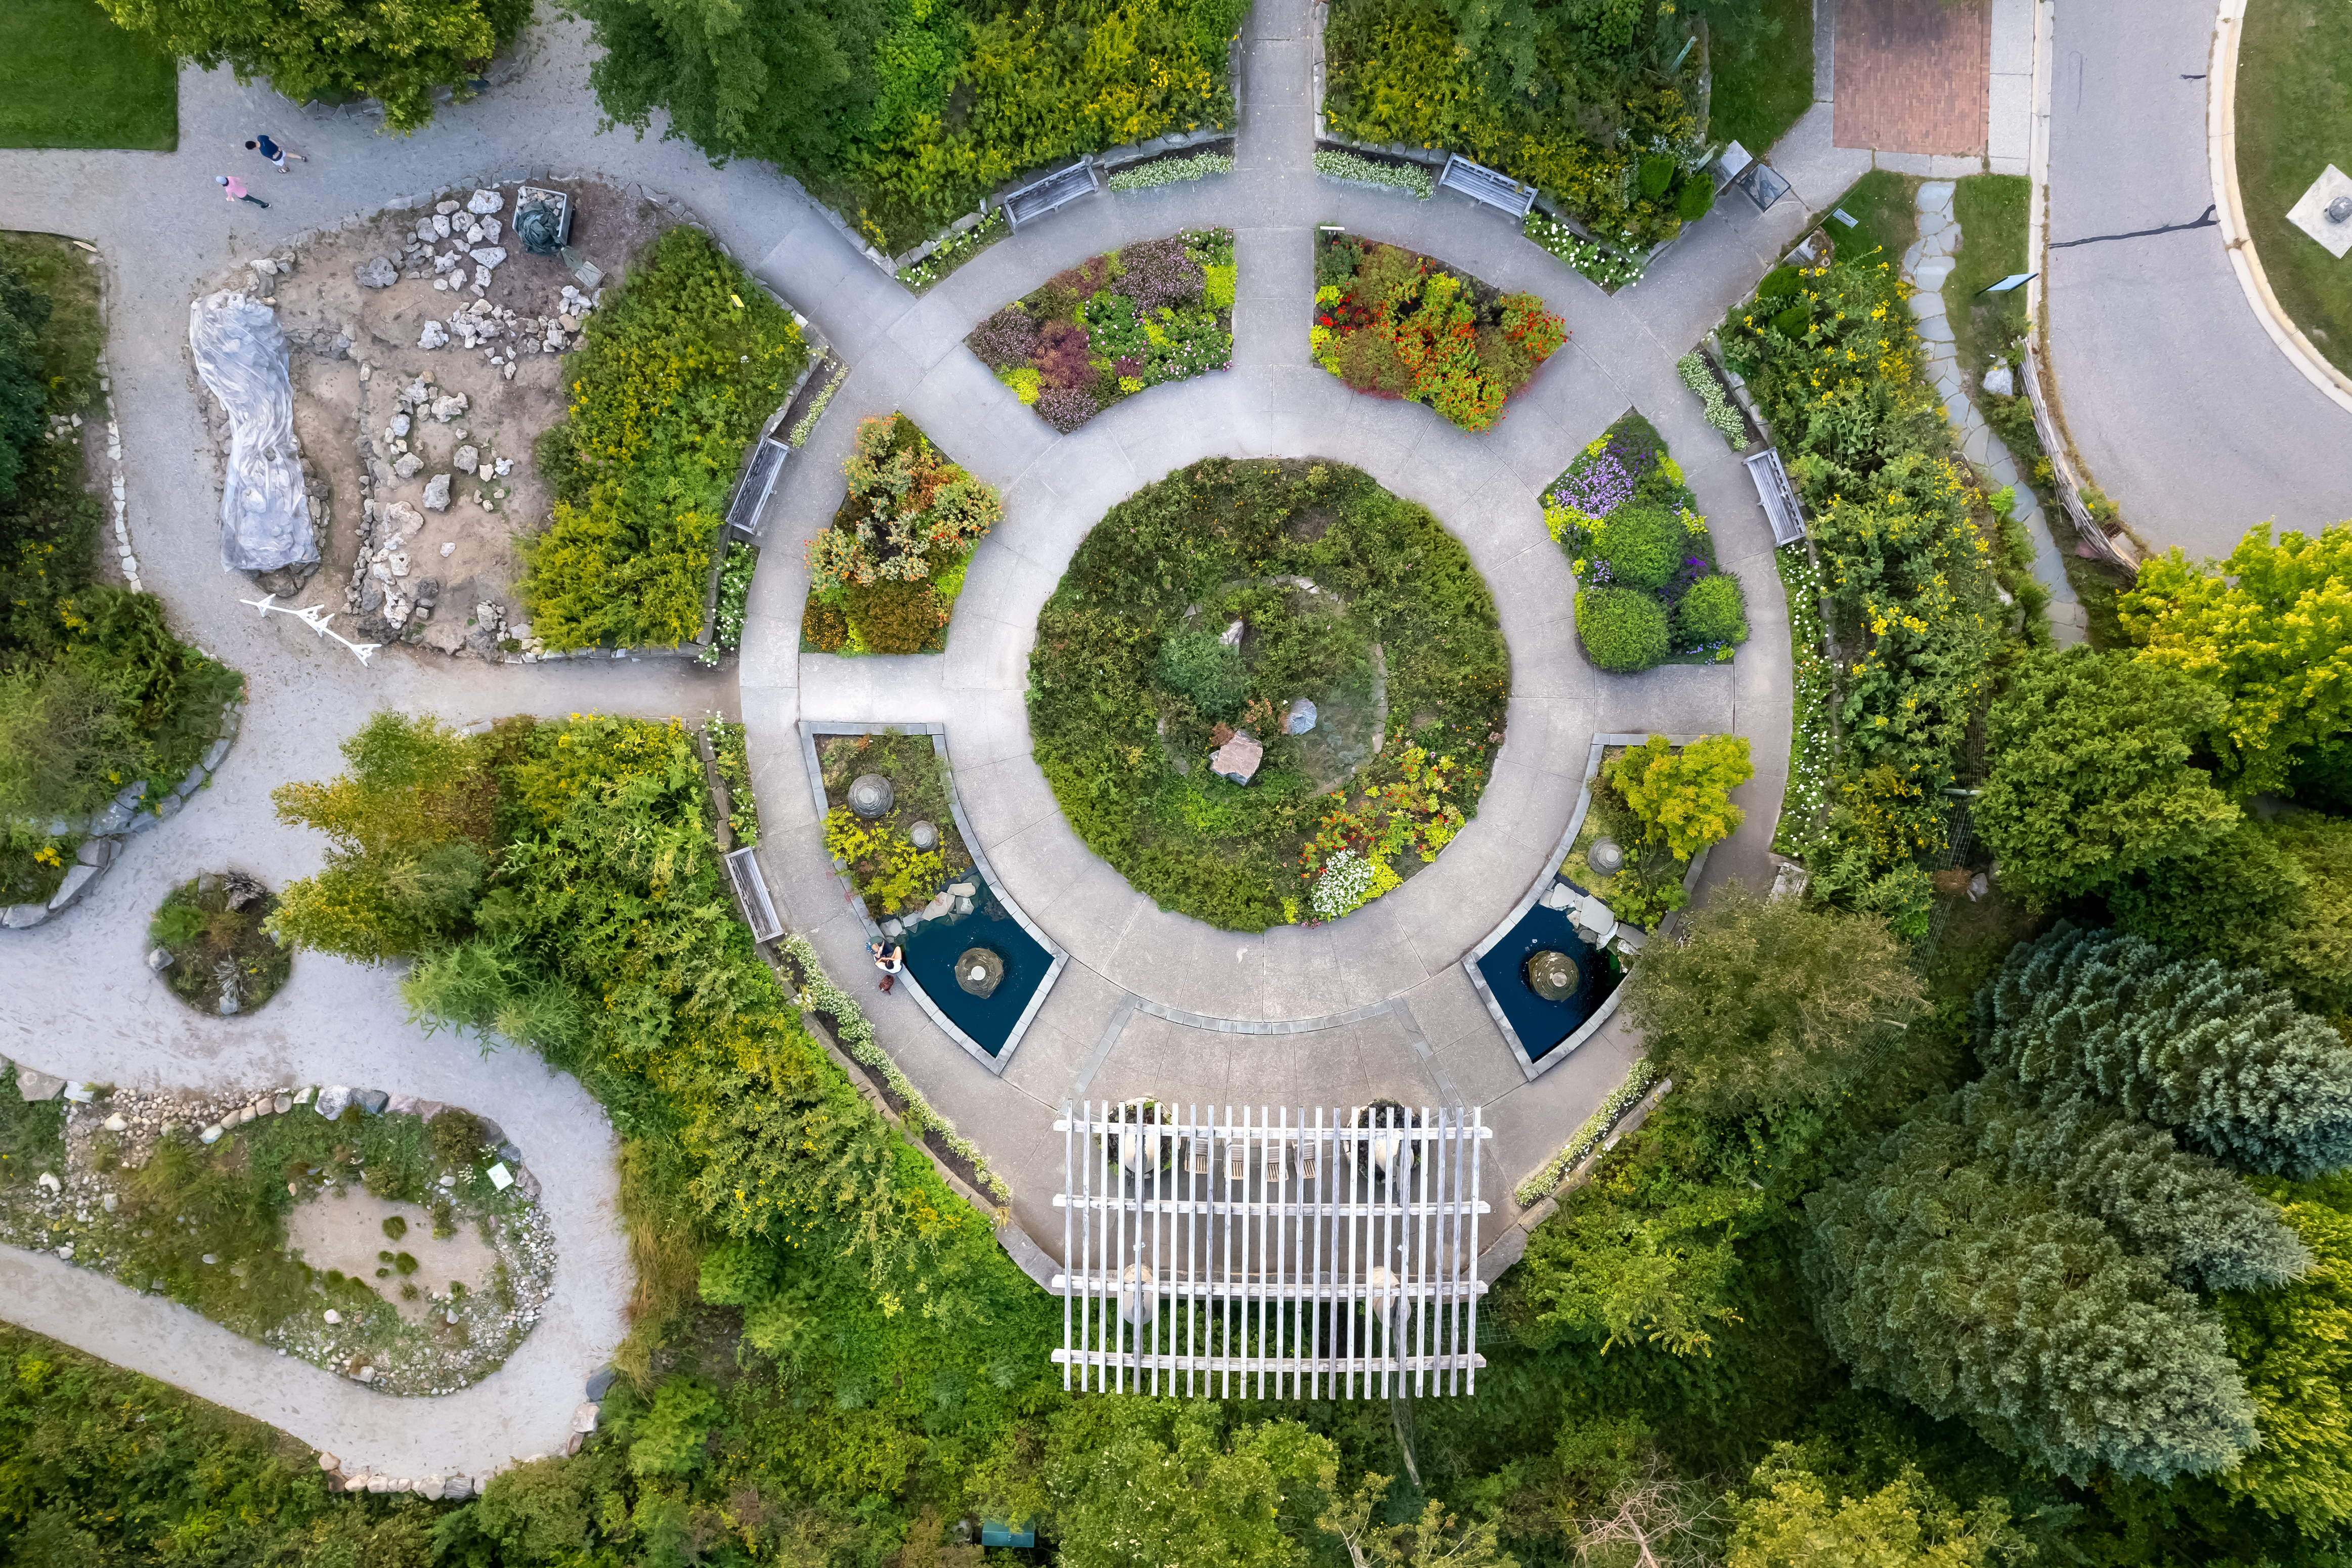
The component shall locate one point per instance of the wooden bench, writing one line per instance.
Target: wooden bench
(1038, 198)
(1778, 498)
(1481, 184)
(751, 893)
(758, 480)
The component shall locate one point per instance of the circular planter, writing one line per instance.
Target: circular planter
(209, 948)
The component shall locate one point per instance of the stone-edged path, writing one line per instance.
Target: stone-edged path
(1925, 265)
(82, 1005)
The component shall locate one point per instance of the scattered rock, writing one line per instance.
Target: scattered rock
(447, 551)
(437, 493)
(117, 1122)
(600, 1382)
(961, 889)
(375, 272)
(212, 1135)
(2000, 382)
(486, 202)
(1238, 758)
(49, 1180)
(332, 1101)
(465, 460)
(332, 1316)
(488, 255)
(435, 336)
(374, 1100)
(583, 1419)
(328, 1462)
(37, 1086)
(1301, 717)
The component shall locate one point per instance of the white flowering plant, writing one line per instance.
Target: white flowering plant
(1540, 1187)
(1334, 164)
(1610, 268)
(1700, 378)
(1172, 170)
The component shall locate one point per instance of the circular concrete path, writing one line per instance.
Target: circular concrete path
(82, 1005)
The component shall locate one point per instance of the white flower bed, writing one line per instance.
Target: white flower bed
(1334, 164)
(1346, 883)
(1719, 411)
(1538, 1187)
(1172, 170)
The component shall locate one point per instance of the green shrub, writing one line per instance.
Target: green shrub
(456, 1136)
(1623, 629)
(823, 625)
(737, 1273)
(1695, 199)
(1713, 611)
(672, 380)
(892, 616)
(1657, 174)
(1779, 283)
(1194, 661)
(394, 1228)
(1642, 545)
(1792, 322)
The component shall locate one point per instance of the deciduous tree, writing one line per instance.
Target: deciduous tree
(1137, 1484)
(2217, 1053)
(2091, 779)
(1765, 1002)
(1684, 798)
(2273, 896)
(394, 54)
(1790, 1519)
(2271, 630)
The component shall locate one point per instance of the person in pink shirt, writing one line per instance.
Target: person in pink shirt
(236, 191)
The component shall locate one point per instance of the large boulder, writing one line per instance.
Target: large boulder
(376, 272)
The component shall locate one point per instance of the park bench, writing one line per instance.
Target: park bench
(1481, 184)
(1778, 500)
(1038, 198)
(751, 893)
(758, 480)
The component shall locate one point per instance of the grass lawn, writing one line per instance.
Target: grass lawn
(71, 340)
(70, 78)
(1992, 212)
(2295, 118)
(1886, 210)
(1763, 65)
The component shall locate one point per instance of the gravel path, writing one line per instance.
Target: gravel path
(84, 1006)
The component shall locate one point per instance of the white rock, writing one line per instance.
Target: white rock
(211, 1134)
(108, 1203)
(332, 1099)
(437, 493)
(49, 1180)
(2000, 382)
(440, 225)
(488, 255)
(447, 551)
(332, 1316)
(435, 336)
(486, 202)
(116, 1122)
(465, 459)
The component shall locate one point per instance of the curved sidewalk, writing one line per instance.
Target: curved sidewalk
(2186, 411)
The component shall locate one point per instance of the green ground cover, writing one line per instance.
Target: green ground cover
(70, 78)
(2295, 118)
(222, 959)
(669, 384)
(888, 871)
(1147, 313)
(1762, 57)
(1886, 210)
(884, 577)
(903, 116)
(1991, 209)
(1648, 589)
(1340, 593)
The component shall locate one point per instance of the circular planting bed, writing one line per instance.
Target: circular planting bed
(1267, 692)
(210, 947)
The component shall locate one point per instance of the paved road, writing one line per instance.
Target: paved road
(2185, 412)
(87, 1008)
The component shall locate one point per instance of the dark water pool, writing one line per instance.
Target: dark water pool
(1541, 1024)
(933, 947)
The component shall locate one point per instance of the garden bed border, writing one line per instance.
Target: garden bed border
(1530, 1067)
(810, 729)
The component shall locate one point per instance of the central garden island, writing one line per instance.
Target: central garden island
(1266, 693)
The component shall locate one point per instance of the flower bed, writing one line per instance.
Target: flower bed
(1355, 169)
(671, 380)
(953, 248)
(1154, 312)
(1196, 613)
(734, 601)
(1648, 591)
(1612, 269)
(1172, 169)
(1833, 361)
(1395, 324)
(884, 578)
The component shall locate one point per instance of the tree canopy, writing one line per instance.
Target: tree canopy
(1684, 797)
(1762, 1002)
(2090, 778)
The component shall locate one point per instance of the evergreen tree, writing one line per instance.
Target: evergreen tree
(1985, 1301)
(2296, 1346)
(2218, 1054)
(23, 398)
(2203, 1226)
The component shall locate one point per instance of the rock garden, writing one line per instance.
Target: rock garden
(1648, 589)
(1154, 312)
(1268, 693)
(1395, 323)
(211, 948)
(889, 824)
(884, 578)
(460, 420)
(393, 1240)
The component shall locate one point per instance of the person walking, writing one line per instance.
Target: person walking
(273, 153)
(236, 191)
